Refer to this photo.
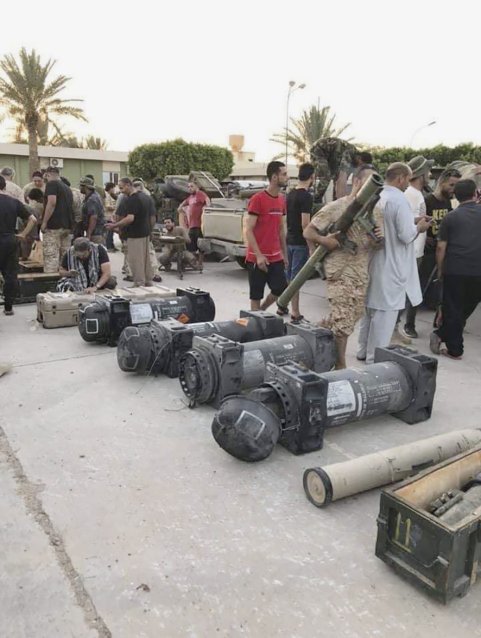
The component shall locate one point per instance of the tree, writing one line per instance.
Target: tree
(32, 99)
(313, 124)
(178, 157)
(94, 143)
(442, 155)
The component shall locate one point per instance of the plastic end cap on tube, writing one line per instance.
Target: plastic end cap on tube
(134, 350)
(245, 428)
(317, 486)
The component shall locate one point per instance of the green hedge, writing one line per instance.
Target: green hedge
(178, 157)
(442, 155)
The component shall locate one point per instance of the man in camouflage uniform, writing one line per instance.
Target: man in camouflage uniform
(346, 268)
(333, 159)
(57, 220)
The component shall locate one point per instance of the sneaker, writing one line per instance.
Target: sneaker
(435, 343)
(408, 332)
(9, 313)
(361, 356)
(399, 338)
(157, 278)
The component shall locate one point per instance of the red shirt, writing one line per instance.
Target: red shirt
(270, 211)
(195, 206)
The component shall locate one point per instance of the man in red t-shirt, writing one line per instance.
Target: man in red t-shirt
(266, 239)
(190, 216)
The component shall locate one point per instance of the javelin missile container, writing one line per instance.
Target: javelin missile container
(103, 320)
(295, 406)
(158, 347)
(216, 367)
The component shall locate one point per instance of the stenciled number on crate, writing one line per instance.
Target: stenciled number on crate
(402, 532)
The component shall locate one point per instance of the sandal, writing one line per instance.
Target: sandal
(297, 319)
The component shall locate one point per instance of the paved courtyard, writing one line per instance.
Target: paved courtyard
(120, 516)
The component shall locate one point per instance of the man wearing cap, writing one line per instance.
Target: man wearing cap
(57, 220)
(12, 189)
(392, 269)
(86, 268)
(92, 211)
(420, 168)
(37, 182)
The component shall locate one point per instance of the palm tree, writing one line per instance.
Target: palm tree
(313, 124)
(31, 99)
(95, 143)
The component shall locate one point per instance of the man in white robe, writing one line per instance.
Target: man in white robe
(393, 271)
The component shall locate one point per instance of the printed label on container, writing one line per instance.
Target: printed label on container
(141, 313)
(340, 398)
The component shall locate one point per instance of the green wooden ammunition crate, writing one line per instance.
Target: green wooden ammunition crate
(441, 558)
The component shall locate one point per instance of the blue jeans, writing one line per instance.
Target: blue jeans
(297, 256)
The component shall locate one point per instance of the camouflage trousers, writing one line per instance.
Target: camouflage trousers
(55, 244)
(347, 300)
(170, 254)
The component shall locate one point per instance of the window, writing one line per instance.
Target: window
(110, 177)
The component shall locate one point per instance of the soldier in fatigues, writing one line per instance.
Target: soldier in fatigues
(346, 268)
(333, 159)
(57, 220)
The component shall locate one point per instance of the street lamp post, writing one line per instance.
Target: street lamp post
(418, 130)
(293, 86)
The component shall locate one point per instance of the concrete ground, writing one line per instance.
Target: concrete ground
(122, 517)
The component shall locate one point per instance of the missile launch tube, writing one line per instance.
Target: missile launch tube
(323, 485)
(370, 188)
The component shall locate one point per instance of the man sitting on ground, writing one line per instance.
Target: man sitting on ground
(86, 268)
(169, 252)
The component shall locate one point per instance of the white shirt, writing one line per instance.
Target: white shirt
(418, 206)
(393, 272)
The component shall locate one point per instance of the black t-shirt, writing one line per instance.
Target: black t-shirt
(93, 206)
(461, 228)
(103, 259)
(138, 205)
(299, 201)
(10, 210)
(437, 209)
(62, 216)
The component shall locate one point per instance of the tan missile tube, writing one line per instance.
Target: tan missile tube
(333, 482)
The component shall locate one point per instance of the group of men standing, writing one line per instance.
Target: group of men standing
(373, 280)
(76, 224)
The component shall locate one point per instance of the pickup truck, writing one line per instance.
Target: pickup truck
(223, 229)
